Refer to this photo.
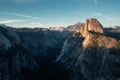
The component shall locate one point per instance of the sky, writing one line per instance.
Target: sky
(47, 13)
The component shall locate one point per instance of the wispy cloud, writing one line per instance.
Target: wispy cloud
(82, 13)
(95, 1)
(20, 15)
(98, 14)
(22, 1)
(35, 24)
(30, 25)
(107, 17)
(10, 21)
(27, 21)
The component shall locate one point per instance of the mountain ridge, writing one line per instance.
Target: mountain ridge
(88, 54)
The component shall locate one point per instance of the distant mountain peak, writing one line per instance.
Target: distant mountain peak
(74, 27)
(78, 23)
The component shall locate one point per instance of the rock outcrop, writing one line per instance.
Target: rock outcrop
(93, 34)
(91, 25)
(91, 55)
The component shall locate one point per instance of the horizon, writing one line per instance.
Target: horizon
(45, 13)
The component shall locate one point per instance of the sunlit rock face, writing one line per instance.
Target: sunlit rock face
(90, 54)
(91, 25)
(13, 56)
(93, 33)
(94, 25)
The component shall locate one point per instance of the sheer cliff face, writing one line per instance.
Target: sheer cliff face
(92, 25)
(8, 37)
(13, 56)
(93, 33)
(26, 54)
(91, 55)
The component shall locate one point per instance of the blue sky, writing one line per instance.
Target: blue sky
(45, 13)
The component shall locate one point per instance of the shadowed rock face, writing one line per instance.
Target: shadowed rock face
(28, 54)
(91, 55)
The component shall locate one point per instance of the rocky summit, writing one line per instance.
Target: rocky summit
(91, 54)
(91, 25)
(93, 35)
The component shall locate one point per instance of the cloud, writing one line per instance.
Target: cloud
(107, 17)
(22, 1)
(82, 13)
(95, 1)
(30, 25)
(20, 23)
(98, 14)
(10, 21)
(20, 15)
(35, 24)
(108, 20)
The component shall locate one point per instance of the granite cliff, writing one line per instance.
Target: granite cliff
(90, 54)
